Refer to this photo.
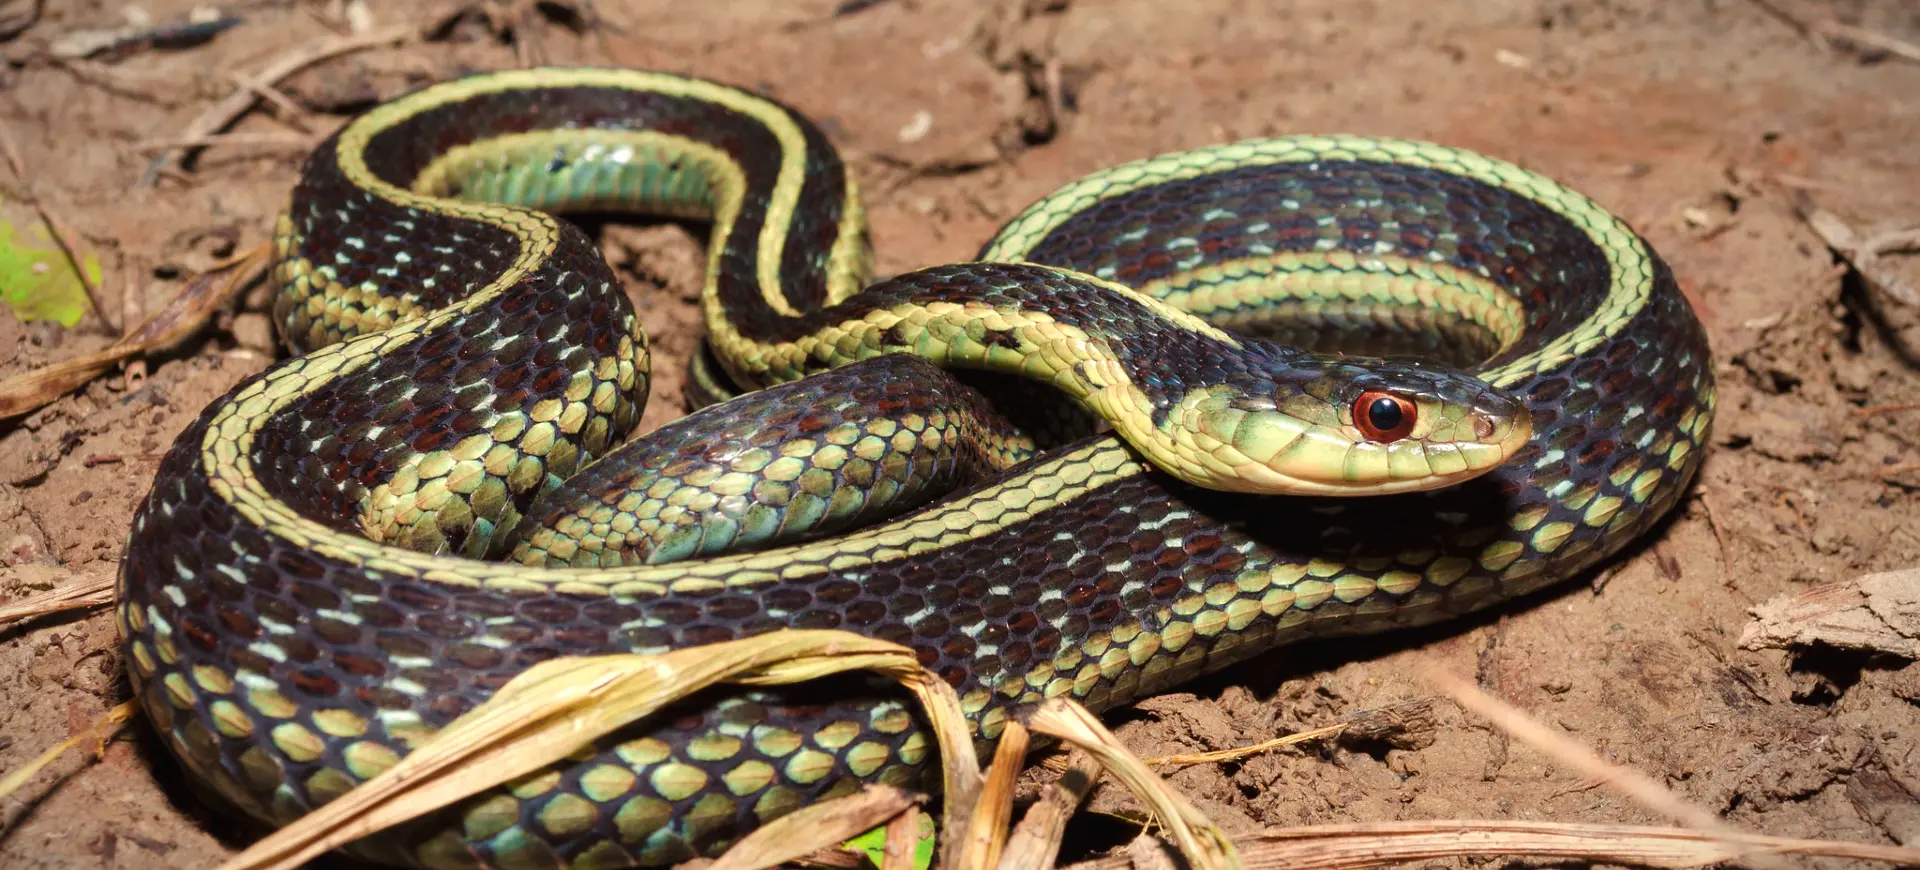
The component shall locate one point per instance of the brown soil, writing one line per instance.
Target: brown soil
(1694, 121)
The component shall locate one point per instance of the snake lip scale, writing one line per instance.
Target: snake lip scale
(370, 537)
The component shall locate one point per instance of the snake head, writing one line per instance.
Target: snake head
(1317, 424)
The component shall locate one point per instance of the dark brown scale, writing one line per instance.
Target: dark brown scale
(200, 635)
(336, 632)
(300, 649)
(517, 632)
(360, 666)
(447, 708)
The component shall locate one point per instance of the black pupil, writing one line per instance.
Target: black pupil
(1384, 414)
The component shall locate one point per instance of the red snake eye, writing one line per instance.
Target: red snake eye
(1383, 417)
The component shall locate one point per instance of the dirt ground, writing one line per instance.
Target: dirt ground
(1699, 121)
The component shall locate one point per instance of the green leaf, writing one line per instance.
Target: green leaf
(874, 844)
(37, 281)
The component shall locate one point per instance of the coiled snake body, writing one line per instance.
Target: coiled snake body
(301, 598)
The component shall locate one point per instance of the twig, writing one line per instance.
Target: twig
(1631, 783)
(112, 80)
(296, 140)
(102, 731)
(1378, 844)
(295, 116)
(1887, 472)
(223, 113)
(1862, 255)
(1060, 763)
(1035, 842)
(1893, 408)
(1861, 36)
(90, 591)
(1720, 538)
(1369, 724)
(1820, 27)
(56, 231)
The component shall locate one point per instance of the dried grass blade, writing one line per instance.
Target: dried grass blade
(810, 828)
(103, 730)
(1204, 846)
(903, 839)
(1375, 844)
(547, 713)
(959, 763)
(89, 591)
(1035, 843)
(986, 832)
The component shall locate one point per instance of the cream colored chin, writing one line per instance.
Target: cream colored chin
(1269, 453)
(1343, 467)
(1270, 481)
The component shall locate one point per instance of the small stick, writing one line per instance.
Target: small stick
(1719, 537)
(223, 113)
(1820, 28)
(289, 139)
(1877, 410)
(1861, 36)
(1634, 785)
(1035, 842)
(1059, 763)
(1862, 255)
(1240, 752)
(1422, 842)
(56, 232)
(903, 835)
(296, 117)
(89, 591)
(103, 730)
(1887, 472)
(112, 81)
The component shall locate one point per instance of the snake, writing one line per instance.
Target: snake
(1326, 386)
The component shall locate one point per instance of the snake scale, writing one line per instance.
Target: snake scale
(304, 595)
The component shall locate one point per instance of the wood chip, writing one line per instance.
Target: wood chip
(1876, 613)
(90, 590)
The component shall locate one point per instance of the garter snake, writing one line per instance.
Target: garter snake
(296, 599)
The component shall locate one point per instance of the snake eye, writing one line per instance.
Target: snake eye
(1383, 417)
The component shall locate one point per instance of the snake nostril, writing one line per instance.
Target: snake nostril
(1482, 426)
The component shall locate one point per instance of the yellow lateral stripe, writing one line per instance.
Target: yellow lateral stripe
(1311, 276)
(1627, 257)
(984, 514)
(782, 199)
